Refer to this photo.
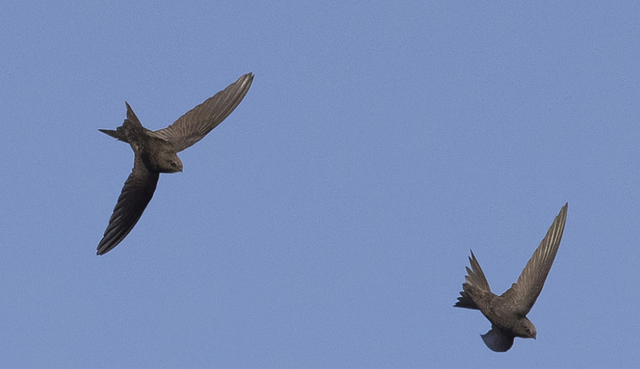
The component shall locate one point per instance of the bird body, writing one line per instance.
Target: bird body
(507, 312)
(155, 152)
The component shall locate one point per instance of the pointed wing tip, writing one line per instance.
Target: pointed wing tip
(108, 244)
(563, 210)
(103, 248)
(562, 215)
(246, 79)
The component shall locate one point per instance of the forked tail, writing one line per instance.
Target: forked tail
(131, 123)
(476, 291)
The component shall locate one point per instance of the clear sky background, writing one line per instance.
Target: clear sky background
(327, 222)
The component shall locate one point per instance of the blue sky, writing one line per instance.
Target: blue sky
(327, 222)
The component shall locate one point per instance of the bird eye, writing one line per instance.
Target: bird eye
(173, 163)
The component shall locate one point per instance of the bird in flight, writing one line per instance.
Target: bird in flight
(156, 152)
(508, 312)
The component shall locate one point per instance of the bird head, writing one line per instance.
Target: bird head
(169, 162)
(525, 329)
(175, 164)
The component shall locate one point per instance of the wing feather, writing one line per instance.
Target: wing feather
(134, 198)
(196, 123)
(523, 294)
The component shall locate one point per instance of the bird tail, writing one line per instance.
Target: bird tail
(131, 123)
(114, 134)
(475, 288)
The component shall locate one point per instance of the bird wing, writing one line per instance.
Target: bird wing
(498, 339)
(136, 194)
(196, 123)
(523, 294)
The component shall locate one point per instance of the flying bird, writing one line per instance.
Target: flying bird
(508, 312)
(156, 152)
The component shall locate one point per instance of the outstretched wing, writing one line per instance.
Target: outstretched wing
(195, 124)
(523, 294)
(136, 194)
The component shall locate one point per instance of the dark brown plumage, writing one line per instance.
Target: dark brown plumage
(156, 152)
(507, 312)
